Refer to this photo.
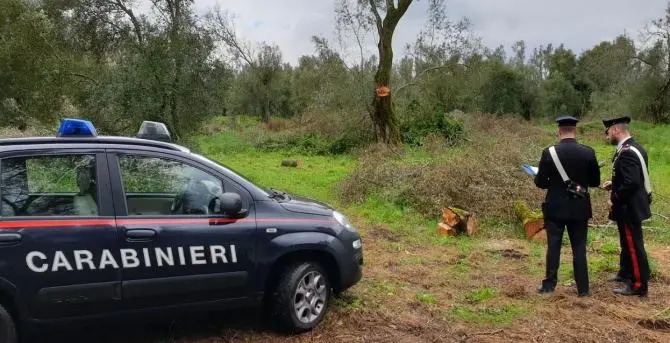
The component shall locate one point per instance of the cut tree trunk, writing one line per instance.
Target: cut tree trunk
(455, 221)
(381, 110)
(383, 118)
(532, 221)
(290, 163)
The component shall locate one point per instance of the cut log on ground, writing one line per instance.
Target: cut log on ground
(532, 221)
(456, 221)
(290, 163)
(540, 236)
(445, 230)
(450, 217)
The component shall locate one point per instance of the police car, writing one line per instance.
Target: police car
(98, 226)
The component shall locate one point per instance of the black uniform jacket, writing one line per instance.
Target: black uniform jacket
(629, 197)
(581, 165)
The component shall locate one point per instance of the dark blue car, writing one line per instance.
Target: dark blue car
(94, 226)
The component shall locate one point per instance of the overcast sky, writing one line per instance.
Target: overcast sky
(579, 24)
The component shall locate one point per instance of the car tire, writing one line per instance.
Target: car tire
(301, 298)
(7, 327)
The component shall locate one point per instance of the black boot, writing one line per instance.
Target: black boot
(545, 289)
(628, 291)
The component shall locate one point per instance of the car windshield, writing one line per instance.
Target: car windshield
(207, 160)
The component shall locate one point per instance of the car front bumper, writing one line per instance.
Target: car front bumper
(352, 270)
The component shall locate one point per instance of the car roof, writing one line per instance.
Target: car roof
(7, 143)
(115, 142)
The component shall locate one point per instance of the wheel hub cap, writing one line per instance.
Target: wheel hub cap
(310, 297)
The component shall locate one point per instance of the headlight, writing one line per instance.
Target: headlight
(342, 219)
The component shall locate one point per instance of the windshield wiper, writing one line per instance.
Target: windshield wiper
(277, 193)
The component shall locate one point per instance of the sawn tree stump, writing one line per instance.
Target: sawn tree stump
(532, 221)
(456, 221)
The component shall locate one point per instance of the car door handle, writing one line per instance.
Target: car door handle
(141, 235)
(9, 238)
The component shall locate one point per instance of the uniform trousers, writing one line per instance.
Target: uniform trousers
(577, 232)
(633, 263)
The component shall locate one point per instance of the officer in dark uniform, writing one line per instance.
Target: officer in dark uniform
(629, 203)
(567, 204)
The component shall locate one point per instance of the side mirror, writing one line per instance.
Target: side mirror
(231, 204)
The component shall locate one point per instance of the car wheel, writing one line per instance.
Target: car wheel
(301, 298)
(7, 327)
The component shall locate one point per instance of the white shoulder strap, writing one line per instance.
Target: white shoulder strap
(557, 162)
(647, 182)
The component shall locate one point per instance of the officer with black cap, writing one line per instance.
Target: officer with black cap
(629, 205)
(567, 170)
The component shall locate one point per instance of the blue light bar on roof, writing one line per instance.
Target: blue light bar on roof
(76, 128)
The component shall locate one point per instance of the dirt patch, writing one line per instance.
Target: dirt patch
(656, 324)
(506, 244)
(515, 292)
(378, 232)
(509, 253)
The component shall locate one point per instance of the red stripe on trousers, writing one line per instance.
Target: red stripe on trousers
(633, 257)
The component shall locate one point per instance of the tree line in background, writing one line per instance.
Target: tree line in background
(101, 60)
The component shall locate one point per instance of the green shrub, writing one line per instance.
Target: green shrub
(480, 176)
(418, 122)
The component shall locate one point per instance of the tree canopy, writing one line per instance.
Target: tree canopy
(101, 60)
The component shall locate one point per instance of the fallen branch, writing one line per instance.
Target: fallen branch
(468, 336)
(602, 226)
(662, 312)
(85, 77)
(655, 228)
(488, 333)
(418, 76)
(660, 215)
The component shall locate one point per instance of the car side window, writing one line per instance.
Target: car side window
(162, 186)
(62, 185)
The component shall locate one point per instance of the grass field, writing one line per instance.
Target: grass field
(419, 287)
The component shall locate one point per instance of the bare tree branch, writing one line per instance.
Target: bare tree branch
(378, 18)
(403, 5)
(644, 61)
(225, 32)
(133, 19)
(418, 76)
(356, 22)
(390, 6)
(84, 77)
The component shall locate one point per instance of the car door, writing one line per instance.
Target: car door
(56, 224)
(178, 249)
